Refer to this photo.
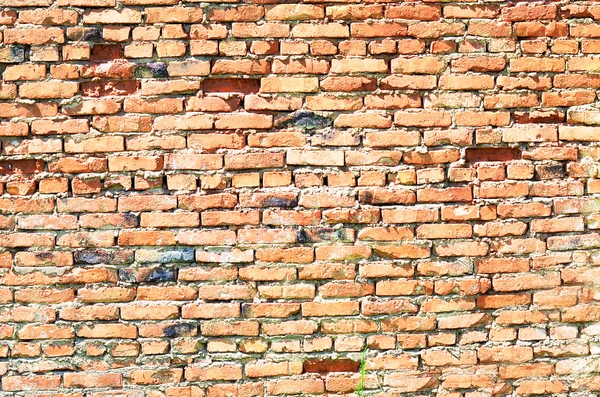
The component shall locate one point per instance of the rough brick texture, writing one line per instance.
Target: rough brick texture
(216, 199)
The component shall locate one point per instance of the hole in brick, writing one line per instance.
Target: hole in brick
(17, 54)
(176, 330)
(152, 69)
(147, 275)
(492, 154)
(305, 120)
(331, 365)
(321, 234)
(281, 202)
(244, 86)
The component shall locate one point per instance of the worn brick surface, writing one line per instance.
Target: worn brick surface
(235, 199)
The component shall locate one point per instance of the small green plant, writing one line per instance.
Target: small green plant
(363, 372)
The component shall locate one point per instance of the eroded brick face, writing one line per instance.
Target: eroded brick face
(211, 199)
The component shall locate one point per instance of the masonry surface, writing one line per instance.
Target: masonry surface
(216, 199)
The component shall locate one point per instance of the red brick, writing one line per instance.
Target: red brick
(156, 376)
(489, 28)
(269, 29)
(237, 191)
(34, 36)
(24, 72)
(125, 16)
(31, 382)
(333, 30)
(425, 118)
(422, 12)
(289, 84)
(93, 380)
(173, 15)
(513, 354)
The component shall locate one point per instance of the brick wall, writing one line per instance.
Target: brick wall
(205, 199)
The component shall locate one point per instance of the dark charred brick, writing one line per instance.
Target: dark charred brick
(99, 256)
(88, 34)
(492, 154)
(12, 54)
(147, 275)
(107, 52)
(324, 366)
(550, 171)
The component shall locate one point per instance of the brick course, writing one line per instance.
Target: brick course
(210, 199)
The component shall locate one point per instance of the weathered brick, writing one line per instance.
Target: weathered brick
(234, 189)
(294, 12)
